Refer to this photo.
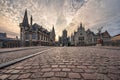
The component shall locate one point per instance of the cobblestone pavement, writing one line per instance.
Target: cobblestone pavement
(67, 63)
(12, 54)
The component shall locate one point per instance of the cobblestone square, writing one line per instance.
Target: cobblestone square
(67, 63)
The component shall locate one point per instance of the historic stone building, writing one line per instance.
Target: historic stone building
(34, 34)
(64, 40)
(6, 42)
(82, 37)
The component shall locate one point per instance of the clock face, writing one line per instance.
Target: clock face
(26, 28)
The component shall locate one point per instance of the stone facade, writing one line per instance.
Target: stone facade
(6, 42)
(34, 34)
(64, 40)
(82, 37)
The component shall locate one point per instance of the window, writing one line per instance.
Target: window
(81, 38)
(80, 33)
(34, 36)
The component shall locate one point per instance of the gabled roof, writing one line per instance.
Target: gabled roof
(104, 34)
(36, 27)
(90, 32)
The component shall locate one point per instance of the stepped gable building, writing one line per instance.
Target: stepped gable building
(34, 34)
(82, 37)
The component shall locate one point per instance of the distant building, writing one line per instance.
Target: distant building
(34, 34)
(64, 40)
(116, 38)
(82, 37)
(6, 42)
(3, 35)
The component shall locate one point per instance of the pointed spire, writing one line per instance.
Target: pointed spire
(80, 25)
(31, 20)
(53, 29)
(52, 34)
(25, 19)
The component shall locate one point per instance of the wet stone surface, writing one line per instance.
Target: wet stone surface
(67, 63)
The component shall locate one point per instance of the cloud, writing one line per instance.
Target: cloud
(62, 14)
(97, 13)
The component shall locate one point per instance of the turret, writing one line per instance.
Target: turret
(31, 20)
(25, 20)
(52, 34)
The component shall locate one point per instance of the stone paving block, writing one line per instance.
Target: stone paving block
(45, 66)
(48, 74)
(24, 76)
(26, 71)
(8, 71)
(66, 61)
(33, 70)
(74, 75)
(89, 70)
(62, 66)
(95, 76)
(56, 69)
(19, 67)
(77, 70)
(36, 75)
(27, 67)
(71, 66)
(15, 71)
(35, 67)
(54, 66)
(114, 76)
(92, 67)
(66, 69)
(4, 76)
(61, 63)
(60, 74)
(13, 77)
(46, 69)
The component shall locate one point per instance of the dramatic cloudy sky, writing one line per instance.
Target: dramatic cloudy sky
(63, 14)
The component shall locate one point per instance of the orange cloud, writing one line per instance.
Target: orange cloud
(9, 27)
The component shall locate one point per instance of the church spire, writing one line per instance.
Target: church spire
(53, 30)
(25, 19)
(80, 25)
(53, 34)
(31, 20)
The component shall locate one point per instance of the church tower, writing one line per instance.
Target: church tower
(25, 22)
(30, 31)
(24, 26)
(52, 34)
